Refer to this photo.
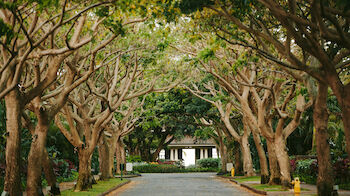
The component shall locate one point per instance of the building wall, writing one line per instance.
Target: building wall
(188, 155)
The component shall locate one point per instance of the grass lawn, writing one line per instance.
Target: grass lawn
(245, 179)
(266, 187)
(263, 187)
(100, 187)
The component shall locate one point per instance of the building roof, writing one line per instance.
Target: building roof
(188, 141)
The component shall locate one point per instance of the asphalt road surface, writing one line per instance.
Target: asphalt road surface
(180, 184)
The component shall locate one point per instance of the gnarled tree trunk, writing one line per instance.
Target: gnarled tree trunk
(104, 159)
(120, 155)
(35, 157)
(325, 177)
(13, 143)
(223, 152)
(274, 168)
(107, 152)
(262, 158)
(50, 175)
(237, 160)
(283, 160)
(85, 179)
(246, 155)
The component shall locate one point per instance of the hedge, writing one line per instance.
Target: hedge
(154, 168)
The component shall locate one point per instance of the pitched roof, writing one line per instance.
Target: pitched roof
(189, 141)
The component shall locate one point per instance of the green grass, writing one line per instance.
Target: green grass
(266, 187)
(100, 187)
(250, 178)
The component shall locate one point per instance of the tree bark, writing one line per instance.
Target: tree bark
(35, 157)
(118, 158)
(120, 155)
(325, 179)
(13, 143)
(85, 179)
(49, 174)
(104, 159)
(274, 169)
(223, 152)
(262, 158)
(283, 160)
(123, 155)
(246, 155)
(238, 161)
(160, 146)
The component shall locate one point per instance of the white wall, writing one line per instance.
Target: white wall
(215, 153)
(162, 154)
(189, 156)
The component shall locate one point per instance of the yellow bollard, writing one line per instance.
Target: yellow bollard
(296, 183)
(233, 172)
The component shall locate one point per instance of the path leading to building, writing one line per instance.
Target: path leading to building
(180, 184)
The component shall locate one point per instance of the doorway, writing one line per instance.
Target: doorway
(189, 156)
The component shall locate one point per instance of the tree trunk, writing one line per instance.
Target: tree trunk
(238, 162)
(49, 174)
(35, 157)
(104, 159)
(223, 152)
(13, 144)
(118, 156)
(246, 155)
(325, 177)
(112, 149)
(274, 169)
(85, 179)
(122, 154)
(283, 160)
(155, 155)
(262, 158)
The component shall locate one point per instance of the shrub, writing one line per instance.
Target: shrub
(306, 170)
(133, 159)
(208, 163)
(155, 168)
(342, 171)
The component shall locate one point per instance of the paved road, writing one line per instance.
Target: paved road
(181, 184)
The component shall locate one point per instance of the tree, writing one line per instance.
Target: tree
(31, 60)
(111, 142)
(288, 36)
(225, 108)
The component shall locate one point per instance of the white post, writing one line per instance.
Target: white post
(201, 154)
(171, 155)
(176, 154)
(206, 153)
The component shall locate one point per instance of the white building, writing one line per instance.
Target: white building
(189, 150)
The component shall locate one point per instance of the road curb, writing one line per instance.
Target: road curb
(245, 186)
(254, 190)
(114, 188)
(128, 176)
